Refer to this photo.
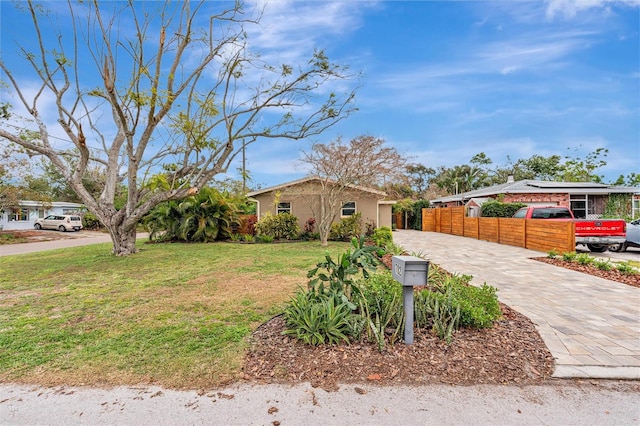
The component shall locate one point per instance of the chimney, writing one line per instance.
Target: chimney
(510, 179)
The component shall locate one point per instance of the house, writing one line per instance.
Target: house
(25, 215)
(302, 197)
(588, 200)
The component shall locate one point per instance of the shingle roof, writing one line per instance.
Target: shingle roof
(309, 179)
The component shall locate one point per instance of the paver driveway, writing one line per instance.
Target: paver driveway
(590, 325)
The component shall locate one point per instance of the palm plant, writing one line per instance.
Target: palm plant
(203, 217)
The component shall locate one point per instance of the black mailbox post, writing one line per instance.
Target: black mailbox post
(410, 271)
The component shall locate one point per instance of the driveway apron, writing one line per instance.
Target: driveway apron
(590, 325)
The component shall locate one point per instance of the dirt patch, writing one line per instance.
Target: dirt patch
(613, 275)
(32, 236)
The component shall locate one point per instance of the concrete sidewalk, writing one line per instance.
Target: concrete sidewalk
(590, 325)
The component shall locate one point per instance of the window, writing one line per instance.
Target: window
(19, 215)
(283, 208)
(40, 214)
(579, 206)
(349, 208)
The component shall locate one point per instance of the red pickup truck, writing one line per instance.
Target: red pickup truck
(597, 234)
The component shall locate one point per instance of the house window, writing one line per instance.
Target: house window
(40, 214)
(19, 215)
(579, 206)
(349, 208)
(283, 208)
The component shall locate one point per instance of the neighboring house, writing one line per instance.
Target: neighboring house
(297, 198)
(587, 199)
(25, 215)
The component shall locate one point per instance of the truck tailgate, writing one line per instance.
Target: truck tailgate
(600, 227)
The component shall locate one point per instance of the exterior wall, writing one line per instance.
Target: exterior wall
(302, 197)
(35, 211)
(558, 199)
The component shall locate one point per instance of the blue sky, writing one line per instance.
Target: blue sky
(443, 81)
(446, 80)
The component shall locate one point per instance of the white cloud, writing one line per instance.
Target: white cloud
(570, 8)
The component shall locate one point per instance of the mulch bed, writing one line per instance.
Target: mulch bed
(512, 352)
(613, 275)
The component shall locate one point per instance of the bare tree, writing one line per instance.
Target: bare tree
(161, 96)
(340, 168)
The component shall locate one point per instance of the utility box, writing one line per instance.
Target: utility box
(409, 270)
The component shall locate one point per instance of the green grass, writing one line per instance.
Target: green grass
(173, 314)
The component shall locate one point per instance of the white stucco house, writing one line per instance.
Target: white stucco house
(25, 215)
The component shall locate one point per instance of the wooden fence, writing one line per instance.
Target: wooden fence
(534, 234)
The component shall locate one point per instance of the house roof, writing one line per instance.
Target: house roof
(310, 179)
(30, 203)
(479, 200)
(541, 187)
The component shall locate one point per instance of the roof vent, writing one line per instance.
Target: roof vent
(510, 179)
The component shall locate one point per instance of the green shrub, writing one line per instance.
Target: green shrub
(378, 292)
(282, 226)
(382, 236)
(91, 222)
(265, 238)
(569, 256)
(335, 276)
(415, 218)
(626, 268)
(499, 209)
(347, 228)
(584, 259)
(604, 265)
(552, 253)
(316, 319)
(455, 302)
(203, 217)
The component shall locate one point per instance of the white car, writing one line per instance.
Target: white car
(633, 237)
(61, 222)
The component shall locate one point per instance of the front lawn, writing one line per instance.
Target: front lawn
(174, 314)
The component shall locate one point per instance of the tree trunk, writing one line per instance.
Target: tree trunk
(124, 240)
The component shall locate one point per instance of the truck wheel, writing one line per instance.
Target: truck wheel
(617, 247)
(597, 248)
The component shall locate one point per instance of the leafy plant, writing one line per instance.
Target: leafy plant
(551, 254)
(569, 256)
(265, 238)
(446, 316)
(584, 259)
(395, 249)
(203, 217)
(626, 268)
(335, 276)
(347, 228)
(281, 226)
(316, 319)
(452, 303)
(604, 265)
(382, 236)
(500, 209)
(248, 238)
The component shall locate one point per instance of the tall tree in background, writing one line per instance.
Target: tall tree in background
(363, 162)
(159, 96)
(15, 175)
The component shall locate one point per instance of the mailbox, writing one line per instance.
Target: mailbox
(409, 270)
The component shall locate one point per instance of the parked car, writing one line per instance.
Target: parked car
(61, 222)
(597, 234)
(633, 237)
